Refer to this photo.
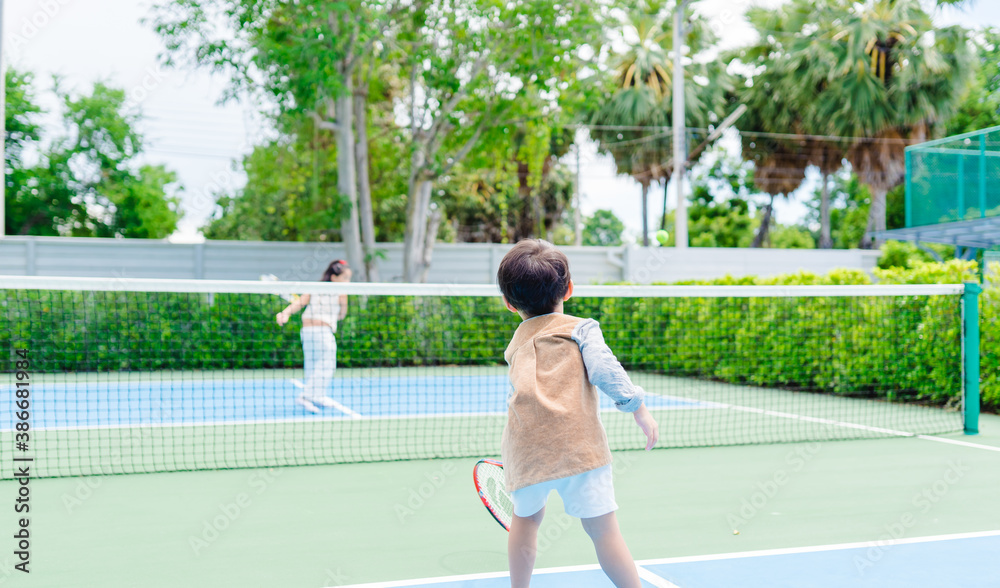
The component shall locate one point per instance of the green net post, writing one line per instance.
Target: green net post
(970, 357)
(982, 176)
(909, 189)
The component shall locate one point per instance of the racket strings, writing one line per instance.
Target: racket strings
(490, 480)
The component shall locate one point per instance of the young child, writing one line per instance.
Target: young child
(554, 439)
(319, 342)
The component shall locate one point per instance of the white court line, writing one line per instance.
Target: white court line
(957, 442)
(846, 425)
(817, 548)
(333, 403)
(658, 581)
(687, 559)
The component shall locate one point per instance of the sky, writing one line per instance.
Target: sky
(190, 132)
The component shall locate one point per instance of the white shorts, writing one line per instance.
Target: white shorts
(587, 495)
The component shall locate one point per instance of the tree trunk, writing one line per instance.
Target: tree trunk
(346, 180)
(645, 214)
(825, 238)
(876, 218)
(765, 225)
(417, 245)
(433, 224)
(364, 185)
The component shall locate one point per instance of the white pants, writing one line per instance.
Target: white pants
(320, 349)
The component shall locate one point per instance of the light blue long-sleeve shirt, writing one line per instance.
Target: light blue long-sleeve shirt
(603, 368)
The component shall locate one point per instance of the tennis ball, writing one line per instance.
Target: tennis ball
(662, 236)
(736, 532)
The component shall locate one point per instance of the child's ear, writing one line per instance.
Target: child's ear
(507, 304)
(569, 291)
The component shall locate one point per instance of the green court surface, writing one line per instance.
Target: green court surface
(318, 526)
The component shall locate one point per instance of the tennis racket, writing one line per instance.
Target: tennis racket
(488, 476)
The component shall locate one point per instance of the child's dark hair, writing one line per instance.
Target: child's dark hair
(335, 269)
(534, 277)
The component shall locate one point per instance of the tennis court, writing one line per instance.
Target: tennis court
(190, 392)
(347, 524)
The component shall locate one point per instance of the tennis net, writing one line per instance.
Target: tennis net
(130, 376)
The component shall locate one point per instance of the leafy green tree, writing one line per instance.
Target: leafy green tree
(603, 229)
(38, 200)
(479, 71)
(980, 108)
(88, 181)
(315, 59)
(289, 195)
(471, 72)
(723, 191)
(489, 206)
(99, 154)
(792, 237)
(22, 130)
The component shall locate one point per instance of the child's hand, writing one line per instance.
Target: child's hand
(648, 425)
(283, 317)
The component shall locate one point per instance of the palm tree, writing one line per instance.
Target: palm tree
(785, 66)
(632, 123)
(871, 76)
(901, 79)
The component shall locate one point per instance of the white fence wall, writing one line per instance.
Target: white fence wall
(452, 263)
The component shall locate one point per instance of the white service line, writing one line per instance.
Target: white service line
(818, 548)
(658, 581)
(798, 417)
(957, 442)
(345, 410)
(333, 403)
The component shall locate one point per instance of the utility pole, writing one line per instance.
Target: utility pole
(577, 222)
(3, 135)
(680, 129)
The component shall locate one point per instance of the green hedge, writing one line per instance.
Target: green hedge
(896, 348)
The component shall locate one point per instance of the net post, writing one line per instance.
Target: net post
(908, 195)
(970, 357)
(982, 175)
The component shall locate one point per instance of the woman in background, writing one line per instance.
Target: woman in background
(319, 323)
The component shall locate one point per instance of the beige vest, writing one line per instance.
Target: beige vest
(553, 426)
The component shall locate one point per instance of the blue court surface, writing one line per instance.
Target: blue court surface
(968, 560)
(137, 400)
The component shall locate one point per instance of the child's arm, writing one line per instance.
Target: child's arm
(603, 367)
(296, 305)
(607, 373)
(343, 307)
